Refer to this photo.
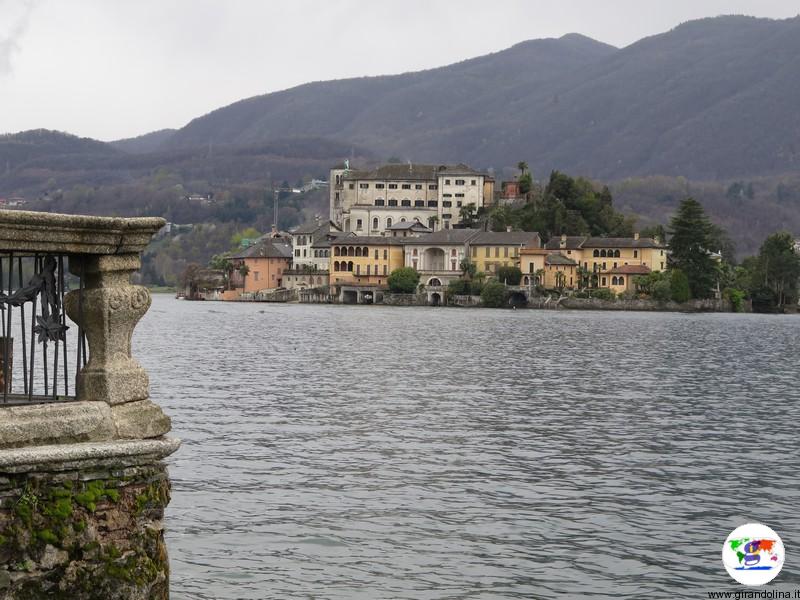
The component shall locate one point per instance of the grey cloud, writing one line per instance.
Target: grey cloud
(9, 40)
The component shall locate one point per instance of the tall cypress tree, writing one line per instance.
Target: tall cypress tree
(691, 237)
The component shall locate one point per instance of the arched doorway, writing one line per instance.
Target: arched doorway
(436, 299)
(517, 299)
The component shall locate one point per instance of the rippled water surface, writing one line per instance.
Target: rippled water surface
(370, 452)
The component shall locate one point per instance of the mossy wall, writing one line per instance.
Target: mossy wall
(81, 535)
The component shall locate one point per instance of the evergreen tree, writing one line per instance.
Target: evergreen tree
(778, 268)
(691, 238)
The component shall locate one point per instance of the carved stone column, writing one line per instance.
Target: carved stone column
(108, 311)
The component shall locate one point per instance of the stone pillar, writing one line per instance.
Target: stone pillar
(108, 311)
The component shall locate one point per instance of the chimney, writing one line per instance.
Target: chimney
(563, 243)
(274, 230)
(636, 236)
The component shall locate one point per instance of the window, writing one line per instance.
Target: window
(418, 186)
(505, 252)
(447, 195)
(458, 204)
(614, 280)
(433, 186)
(305, 253)
(604, 266)
(447, 182)
(497, 252)
(635, 254)
(379, 186)
(662, 265)
(447, 216)
(530, 268)
(459, 195)
(358, 269)
(621, 280)
(603, 281)
(615, 265)
(419, 203)
(368, 266)
(375, 223)
(596, 253)
(352, 185)
(487, 251)
(389, 222)
(297, 252)
(385, 256)
(376, 254)
(385, 270)
(392, 202)
(406, 186)
(378, 201)
(433, 203)
(473, 182)
(406, 202)
(392, 186)
(363, 186)
(359, 224)
(447, 203)
(460, 182)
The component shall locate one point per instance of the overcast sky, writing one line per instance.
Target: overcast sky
(111, 68)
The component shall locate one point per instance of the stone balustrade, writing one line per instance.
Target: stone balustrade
(82, 483)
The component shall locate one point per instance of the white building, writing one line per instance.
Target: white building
(307, 251)
(370, 202)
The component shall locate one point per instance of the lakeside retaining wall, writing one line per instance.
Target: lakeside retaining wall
(639, 304)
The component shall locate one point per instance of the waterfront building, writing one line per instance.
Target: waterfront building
(490, 250)
(560, 272)
(437, 256)
(370, 202)
(265, 263)
(305, 250)
(365, 260)
(611, 263)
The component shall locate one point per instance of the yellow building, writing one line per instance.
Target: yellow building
(365, 260)
(612, 263)
(490, 250)
(531, 263)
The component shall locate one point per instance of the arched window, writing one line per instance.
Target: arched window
(358, 251)
(596, 253)
(350, 266)
(336, 250)
(603, 253)
(336, 266)
(402, 219)
(453, 252)
(414, 252)
(616, 253)
(375, 223)
(365, 251)
(621, 280)
(368, 267)
(388, 222)
(351, 251)
(406, 202)
(614, 280)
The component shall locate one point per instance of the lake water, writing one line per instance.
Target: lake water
(376, 452)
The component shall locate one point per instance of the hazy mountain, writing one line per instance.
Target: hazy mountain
(149, 142)
(17, 149)
(709, 99)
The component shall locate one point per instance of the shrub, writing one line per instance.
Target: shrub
(403, 280)
(458, 287)
(679, 286)
(494, 295)
(476, 287)
(603, 294)
(736, 298)
(509, 275)
(662, 291)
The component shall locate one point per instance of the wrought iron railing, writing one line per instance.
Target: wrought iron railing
(42, 350)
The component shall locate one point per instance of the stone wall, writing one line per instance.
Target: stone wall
(709, 305)
(84, 534)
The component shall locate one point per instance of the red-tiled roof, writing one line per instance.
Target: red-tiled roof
(630, 270)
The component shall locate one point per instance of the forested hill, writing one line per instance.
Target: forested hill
(711, 99)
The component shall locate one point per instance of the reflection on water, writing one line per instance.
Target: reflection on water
(370, 452)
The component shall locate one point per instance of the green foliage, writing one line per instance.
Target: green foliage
(778, 268)
(246, 234)
(509, 275)
(458, 287)
(662, 291)
(736, 298)
(603, 294)
(568, 205)
(403, 280)
(692, 238)
(494, 295)
(525, 183)
(468, 268)
(468, 214)
(680, 290)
